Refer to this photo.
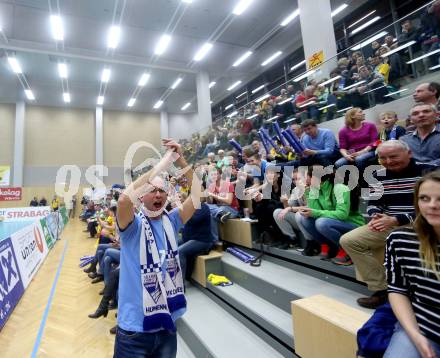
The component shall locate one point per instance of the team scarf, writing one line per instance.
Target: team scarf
(393, 134)
(162, 292)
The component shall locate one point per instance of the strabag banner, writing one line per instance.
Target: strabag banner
(11, 285)
(31, 249)
(10, 194)
(24, 214)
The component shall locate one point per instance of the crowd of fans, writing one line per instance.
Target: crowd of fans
(362, 78)
(280, 178)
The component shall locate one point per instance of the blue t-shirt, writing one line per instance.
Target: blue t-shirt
(130, 306)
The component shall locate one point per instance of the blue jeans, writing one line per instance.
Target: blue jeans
(360, 161)
(111, 256)
(162, 344)
(402, 346)
(190, 249)
(100, 251)
(325, 230)
(216, 213)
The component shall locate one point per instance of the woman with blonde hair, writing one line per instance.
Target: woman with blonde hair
(356, 140)
(413, 274)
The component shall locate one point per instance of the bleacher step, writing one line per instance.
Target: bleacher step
(280, 285)
(183, 351)
(268, 316)
(221, 334)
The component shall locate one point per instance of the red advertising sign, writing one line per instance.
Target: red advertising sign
(10, 194)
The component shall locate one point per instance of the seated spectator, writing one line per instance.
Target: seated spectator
(257, 146)
(397, 67)
(389, 42)
(412, 264)
(380, 67)
(255, 167)
(89, 212)
(106, 225)
(34, 202)
(373, 81)
(424, 142)
(356, 140)
(285, 218)
(222, 202)
(197, 238)
(320, 143)
(308, 111)
(428, 93)
(265, 202)
(389, 128)
(109, 293)
(43, 202)
(409, 33)
(211, 158)
(222, 161)
(389, 207)
(331, 211)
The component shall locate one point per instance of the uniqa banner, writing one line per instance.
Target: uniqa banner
(11, 285)
(24, 214)
(30, 248)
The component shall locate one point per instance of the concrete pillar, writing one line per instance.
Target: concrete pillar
(99, 139)
(164, 129)
(318, 33)
(203, 100)
(19, 136)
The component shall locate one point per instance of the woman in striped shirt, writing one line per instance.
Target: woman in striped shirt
(413, 274)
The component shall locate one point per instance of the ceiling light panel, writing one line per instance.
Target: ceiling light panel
(364, 26)
(212, 84)
(144, 79)
(186, 106)
(113, 37)
(176, 83)
(56, 24)
(158, 104)
(290, 18)
(339, 9)
(202, 52)
(100, 100)
(62, 70)
(15, 65)
(271, 58)
(230, 88)
(242, 59)
(131, 102)
(66, 97)
(361, 19)
(241, 7)
(29, 94)
(162, 45)
(105, 76)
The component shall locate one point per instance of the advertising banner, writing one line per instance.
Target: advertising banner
(315, 60)
(24, 214)
(10, 194)
(30, 247)
(50, 240)
(11, 285)
(5, 175)
(63, 212)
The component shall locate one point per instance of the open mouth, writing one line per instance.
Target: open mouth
(157, 205)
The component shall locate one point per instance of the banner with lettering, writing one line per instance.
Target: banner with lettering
(50, 239)
(11, 285)
(31, 249)
(24, 214)
(10, 194)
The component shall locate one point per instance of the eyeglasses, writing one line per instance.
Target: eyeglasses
(155, 190)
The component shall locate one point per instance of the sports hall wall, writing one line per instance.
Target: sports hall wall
(56, 137)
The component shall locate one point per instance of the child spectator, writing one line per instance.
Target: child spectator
(389, 128)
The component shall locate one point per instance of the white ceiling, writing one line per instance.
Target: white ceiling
(26, 30)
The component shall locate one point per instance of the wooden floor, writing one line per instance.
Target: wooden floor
(68, 332)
